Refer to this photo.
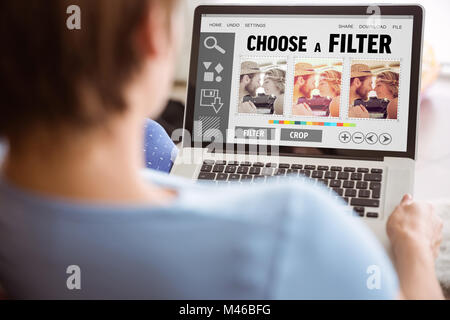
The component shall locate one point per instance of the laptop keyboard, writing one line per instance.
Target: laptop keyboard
(359, 187)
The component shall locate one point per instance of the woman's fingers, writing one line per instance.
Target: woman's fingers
(407, 198)
(363, 108)
(307, 107)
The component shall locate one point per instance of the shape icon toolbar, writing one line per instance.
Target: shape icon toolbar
(208, 75)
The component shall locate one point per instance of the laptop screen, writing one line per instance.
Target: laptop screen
(319, 81)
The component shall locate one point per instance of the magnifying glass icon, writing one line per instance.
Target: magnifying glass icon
(211, 43)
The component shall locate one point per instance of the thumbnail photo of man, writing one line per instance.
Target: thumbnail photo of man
(261, 86)
(317, 88)
(374, 90)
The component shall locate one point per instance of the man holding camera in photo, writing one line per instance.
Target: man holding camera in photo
(249, 82)
(360, 86)
(304, 84)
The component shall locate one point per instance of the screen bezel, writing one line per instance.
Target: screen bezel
(412, 10)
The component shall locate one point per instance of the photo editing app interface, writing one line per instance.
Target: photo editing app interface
(304, 80)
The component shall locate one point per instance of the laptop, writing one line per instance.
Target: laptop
(326, 93)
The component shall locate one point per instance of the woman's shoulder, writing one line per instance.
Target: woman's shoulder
(335, 106)
(392, 108)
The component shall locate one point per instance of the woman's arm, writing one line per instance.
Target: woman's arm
(334, 106)
(415, 232)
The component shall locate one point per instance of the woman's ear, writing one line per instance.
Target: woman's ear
(153, 37)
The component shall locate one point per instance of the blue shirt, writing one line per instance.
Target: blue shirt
(289, 240)
(159, 150)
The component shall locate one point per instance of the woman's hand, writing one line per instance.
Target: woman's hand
(302, 109)
(247, 107)
(414, 224)
(415, 232)
(358, 112)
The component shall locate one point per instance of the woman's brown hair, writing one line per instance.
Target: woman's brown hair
(391, 79)
(333, 77)
(45, 68)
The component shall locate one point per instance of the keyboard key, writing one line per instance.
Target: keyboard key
(233, 163)
(222, 176)
(267, 171)
(258, 178)
(350, 193)
(206, 176)
(284, 165)
(356, 176)
(280, 172)
(242, 170)
(306, 173)
(349, 184)
(218, 168)
(246, 177)
(349, 169)
(364, 193)
(210, 162)
(310, 167)
(363, 170)
(375, 185)
(292, 171)
(271, 164)
(221, 162)
(339, 191)
(258, 164)
(372, 177)
(362, 185)
(376, 170)
(330, 175)
(363, 202)
(323, 168)
(254, 170)
(376, 193)
(246, 163)
(206, 168)
(297, 166)
(335, 183)
(230, 169)
(336, 168)
(317, 174)
(372, 214)
(234, 177)
(359, 211)
(343, 175)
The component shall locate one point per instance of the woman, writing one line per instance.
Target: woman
(386, 87)
(274, 84)
(73, 195)
(330, 86)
